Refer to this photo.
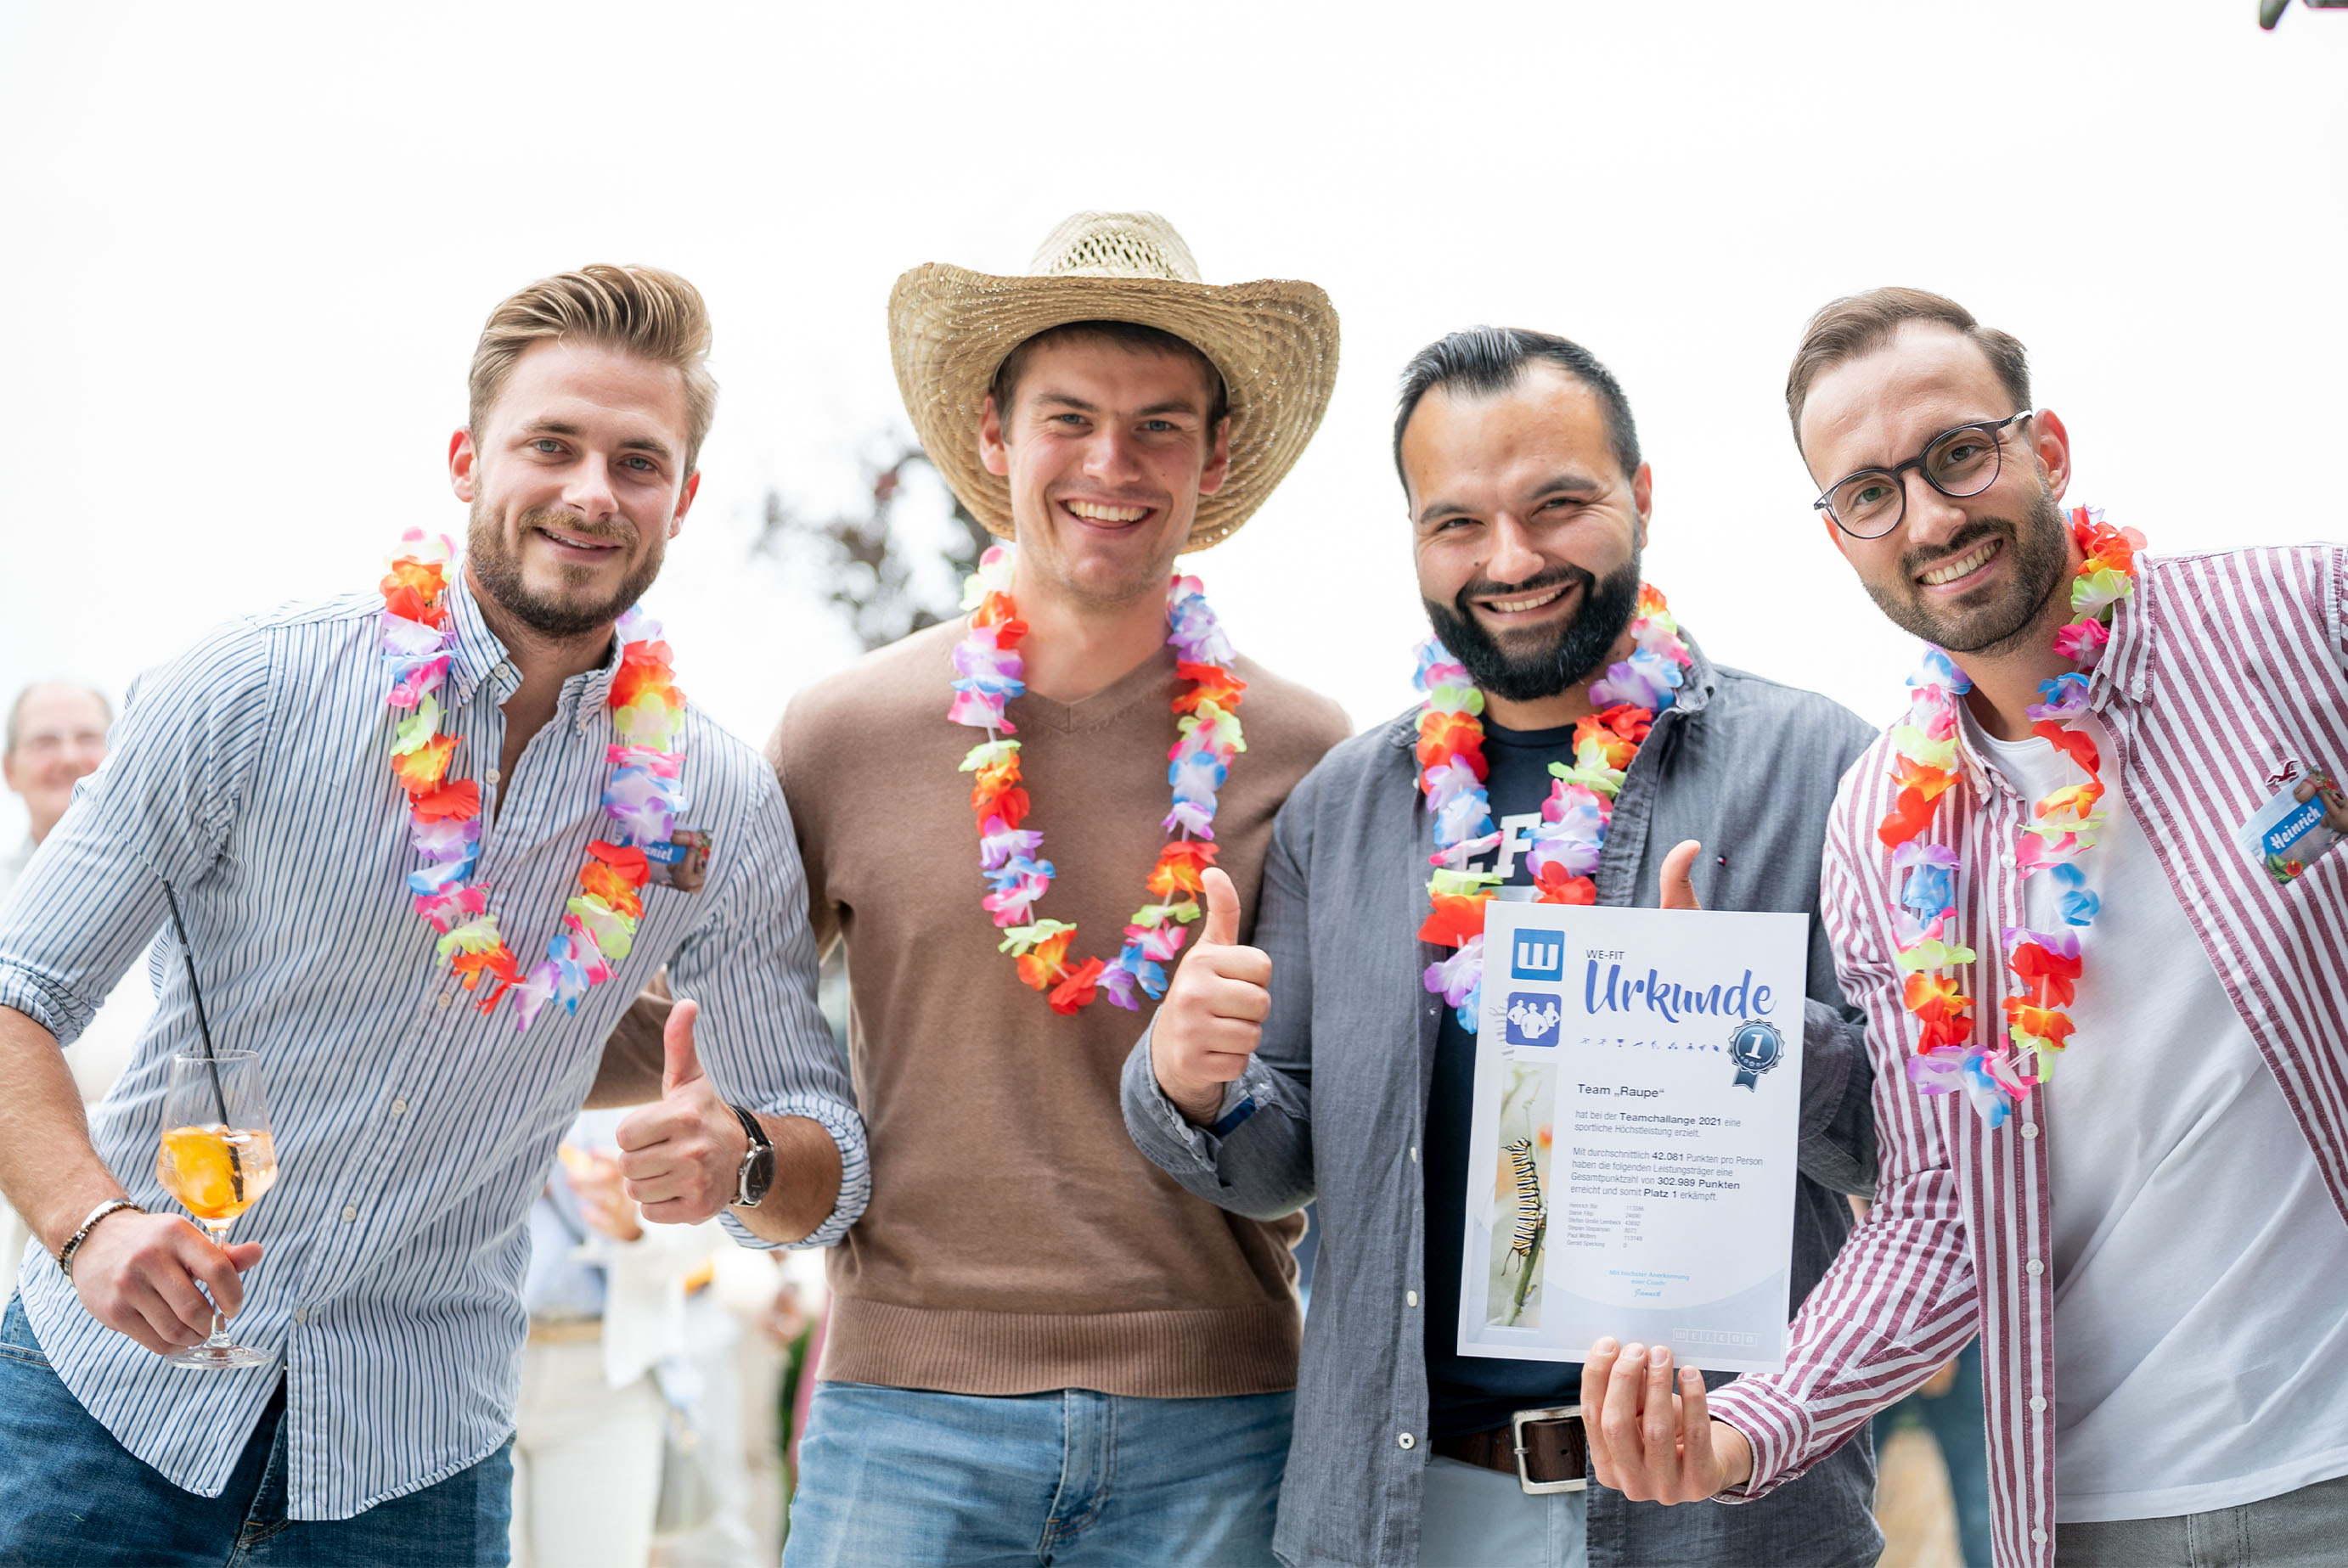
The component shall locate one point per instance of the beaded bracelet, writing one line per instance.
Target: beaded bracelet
(72, 1243)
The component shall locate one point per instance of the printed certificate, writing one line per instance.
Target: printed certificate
(1638, 1101)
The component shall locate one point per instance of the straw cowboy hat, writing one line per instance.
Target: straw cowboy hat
(1275, 343)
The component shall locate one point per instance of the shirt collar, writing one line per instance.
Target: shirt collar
(479, 655)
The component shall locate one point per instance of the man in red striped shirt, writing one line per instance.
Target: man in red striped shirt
(2150, 1242)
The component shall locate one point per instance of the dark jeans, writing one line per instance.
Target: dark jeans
(1954, 1419)
(72, 1497)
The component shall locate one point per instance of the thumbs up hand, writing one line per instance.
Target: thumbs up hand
(1214, 1013)
(1676, 885)
(682, 1153)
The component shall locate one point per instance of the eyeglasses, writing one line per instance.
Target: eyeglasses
(1958, 463)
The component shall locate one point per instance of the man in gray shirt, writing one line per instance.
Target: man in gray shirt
(1333, 1059)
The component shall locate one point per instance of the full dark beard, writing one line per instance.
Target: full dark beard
(1571, 653)
(2040, 547)
(496, 564)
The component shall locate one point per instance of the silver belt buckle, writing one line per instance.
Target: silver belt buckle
(1517, 1437)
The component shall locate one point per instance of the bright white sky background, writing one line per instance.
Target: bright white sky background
(247, 250)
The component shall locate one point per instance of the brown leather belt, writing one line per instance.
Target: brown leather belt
(1545, 1449)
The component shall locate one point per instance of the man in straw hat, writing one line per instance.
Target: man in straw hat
(1575, 742)
(1038, 1344)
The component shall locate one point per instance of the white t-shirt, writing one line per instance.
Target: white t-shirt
(2200, 1268)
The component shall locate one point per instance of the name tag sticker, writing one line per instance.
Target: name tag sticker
(681, 863)
(2288, 835)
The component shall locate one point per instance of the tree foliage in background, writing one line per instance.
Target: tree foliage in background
(870, 570)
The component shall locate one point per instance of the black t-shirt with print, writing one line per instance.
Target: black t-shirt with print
(1475, 1393)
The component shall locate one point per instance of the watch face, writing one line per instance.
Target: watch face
(757, 1175)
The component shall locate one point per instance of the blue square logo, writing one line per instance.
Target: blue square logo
(1533, 1018)
(1538, 955)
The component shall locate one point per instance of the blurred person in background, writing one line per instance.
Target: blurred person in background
(56, 735)
(1037, 1344)
(606, 1295)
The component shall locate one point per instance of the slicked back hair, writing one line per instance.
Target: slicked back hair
(641, 311)
(1489, 360)
(1858, 324)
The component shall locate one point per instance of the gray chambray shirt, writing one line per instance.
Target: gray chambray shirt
(1341, 1081)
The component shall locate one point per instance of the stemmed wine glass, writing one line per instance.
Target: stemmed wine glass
(217, 1158)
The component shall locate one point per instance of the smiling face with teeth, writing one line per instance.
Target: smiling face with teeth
(1107, 449)
(1981, 575)
(577, 482)
(1528, 535)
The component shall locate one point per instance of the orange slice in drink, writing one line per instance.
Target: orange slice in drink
(198, 1165)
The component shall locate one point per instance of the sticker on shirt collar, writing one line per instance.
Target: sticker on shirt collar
(2301, 824)
(681, 863)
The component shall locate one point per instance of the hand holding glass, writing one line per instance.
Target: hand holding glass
(217, 1158)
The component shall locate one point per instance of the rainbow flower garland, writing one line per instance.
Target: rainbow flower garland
(642, 799)
(987, 669)
(1572, 834)
(2064, 825)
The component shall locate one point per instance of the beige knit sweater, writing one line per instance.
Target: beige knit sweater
(1015, 1241)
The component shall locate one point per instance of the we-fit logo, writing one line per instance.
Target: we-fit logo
(1540, 955)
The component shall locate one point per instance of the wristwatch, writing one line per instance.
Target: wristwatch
(757, 1172)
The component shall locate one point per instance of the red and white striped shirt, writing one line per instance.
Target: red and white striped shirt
(2224, 670)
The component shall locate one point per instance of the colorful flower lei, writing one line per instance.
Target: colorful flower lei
(987, 676)
(1571, 834)
(2064, 825)
(642, 798)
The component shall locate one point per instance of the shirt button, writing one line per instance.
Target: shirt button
(445, 998)
(492, 775)
(1414, 1154)
(2029, 1129)
(1410, 1298)
(2033, 1267)
(301, 1315)
(2037, 1403)
(2039, 1538)
(349, 1213)
(399, 1108)
(1407, 1441)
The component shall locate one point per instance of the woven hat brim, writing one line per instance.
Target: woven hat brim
(1275, 341)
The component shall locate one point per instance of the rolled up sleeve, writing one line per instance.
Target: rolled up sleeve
(762, 1039)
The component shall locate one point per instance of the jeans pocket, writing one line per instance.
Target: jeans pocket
(17, 1341)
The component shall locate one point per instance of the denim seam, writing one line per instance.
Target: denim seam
(29, 1358)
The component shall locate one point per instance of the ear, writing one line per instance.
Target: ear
(993, 451)
(1643, 497)
(683, 502)
(1219, 458)
(2051, 443)
(1835, 536)
(462, 458)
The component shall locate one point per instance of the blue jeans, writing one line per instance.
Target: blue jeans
(72, 1497)
(1073, 1478)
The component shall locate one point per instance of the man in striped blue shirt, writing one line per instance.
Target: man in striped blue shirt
(384, 1270)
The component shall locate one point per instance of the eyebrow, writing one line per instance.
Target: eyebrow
(1557, 485)
(1078, 404)
(631, 444)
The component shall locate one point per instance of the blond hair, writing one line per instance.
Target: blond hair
(642, 311)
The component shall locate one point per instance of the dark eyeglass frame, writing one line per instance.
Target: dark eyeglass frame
(1992, 428)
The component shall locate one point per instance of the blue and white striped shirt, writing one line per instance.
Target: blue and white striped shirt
(412, 1133)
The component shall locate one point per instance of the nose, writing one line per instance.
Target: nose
(1112, 456)
(588, 490)
(1932, 518)
(1513, 556)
